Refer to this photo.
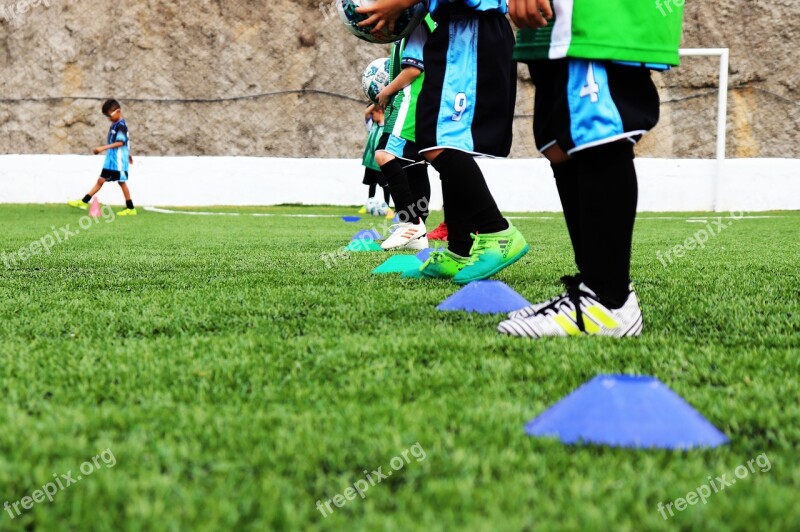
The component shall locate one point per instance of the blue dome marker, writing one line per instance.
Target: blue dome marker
(484, 297)
(638, 412)
(367, 234)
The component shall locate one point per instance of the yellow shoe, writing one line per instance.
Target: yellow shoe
(362, 210)
(127, 212)
(390, 214)
(78, 204)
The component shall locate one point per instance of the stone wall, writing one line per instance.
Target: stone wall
(236, 77)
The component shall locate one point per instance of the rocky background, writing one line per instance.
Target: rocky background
(282, 79)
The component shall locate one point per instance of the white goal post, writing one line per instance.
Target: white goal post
(722, 110)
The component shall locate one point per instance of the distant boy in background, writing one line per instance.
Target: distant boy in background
(403, 167)
(594, 99)
(374, 118)
(118, 159)
(465, 109)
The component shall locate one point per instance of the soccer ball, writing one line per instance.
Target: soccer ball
(377, 207)
(403, 26)
(375, 78)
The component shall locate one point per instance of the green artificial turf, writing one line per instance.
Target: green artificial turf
(237, 379)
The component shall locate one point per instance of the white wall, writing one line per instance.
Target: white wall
(518, 184)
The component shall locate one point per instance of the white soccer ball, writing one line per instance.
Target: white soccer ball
(375, 78)
(377, 207)
(403, 26)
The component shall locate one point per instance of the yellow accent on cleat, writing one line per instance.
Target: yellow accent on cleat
(127, 212)
(78, 204)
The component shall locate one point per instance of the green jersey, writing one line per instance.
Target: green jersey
(373, 139)
(640, 31)
(401, 113)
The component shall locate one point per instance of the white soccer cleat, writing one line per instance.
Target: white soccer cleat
(403, 234)
(417, 245)
(578, 312)
(569, 281)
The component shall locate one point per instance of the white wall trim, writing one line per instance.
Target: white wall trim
(518, 184)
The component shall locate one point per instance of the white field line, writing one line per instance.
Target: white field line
(264, 214)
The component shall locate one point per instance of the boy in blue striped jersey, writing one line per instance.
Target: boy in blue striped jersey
(117, 162)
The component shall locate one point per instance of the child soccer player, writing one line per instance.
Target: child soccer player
(372, 171)
(118, 159)
(465, 109)
(405, 170)
(594, 98)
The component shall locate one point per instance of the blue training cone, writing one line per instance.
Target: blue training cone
(351, 219)
(425, 253)
(485, 297)
(626, 411)
(367, 234)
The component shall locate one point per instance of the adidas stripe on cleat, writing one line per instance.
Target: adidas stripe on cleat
(578, 312)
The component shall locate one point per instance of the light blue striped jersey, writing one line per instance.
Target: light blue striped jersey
(477, 5)
(117, 158)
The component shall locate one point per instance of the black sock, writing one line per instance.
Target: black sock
(87, 198)
(566, 176)
(608, 197)
(420, 187)
(129, 204)
(401, 191)
(470, 205)
(387, 194)
(372, 188)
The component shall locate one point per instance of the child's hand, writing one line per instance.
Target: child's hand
(369, 111)
(530, 13)
(130, 159)
(384, 98)
(384, 13)
(99, 150)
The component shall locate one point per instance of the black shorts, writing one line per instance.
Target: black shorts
(400, 148)
(467, 99)
(580, 103)
(374, 177)
(114, 175)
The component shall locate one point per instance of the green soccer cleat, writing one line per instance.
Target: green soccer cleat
(440, 265)
(491, 253)
(127, 212)
(78, 204)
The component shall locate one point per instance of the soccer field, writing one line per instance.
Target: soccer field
(229, 378)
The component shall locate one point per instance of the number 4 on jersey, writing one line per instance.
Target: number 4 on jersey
(591, 89)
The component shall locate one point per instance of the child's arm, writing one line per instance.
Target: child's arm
(369, 111)
(403, 80)
(384, 13)
(530, 13)
(101, 149)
